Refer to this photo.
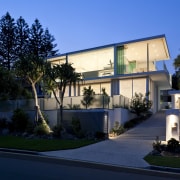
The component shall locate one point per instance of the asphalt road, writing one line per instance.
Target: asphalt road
(32, 167)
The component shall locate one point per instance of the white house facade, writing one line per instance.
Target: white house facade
(122, 68)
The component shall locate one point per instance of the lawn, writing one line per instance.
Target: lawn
(13, 142)
(173, 162)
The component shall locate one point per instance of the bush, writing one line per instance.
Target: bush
(76, 126)
(133, 122)
(130, 124)
(30, 128)
(57, 131)
(19, 120)
(3, 123)
(173, 145)
(74, 106)
(140, 104)
(100, 135)
(118, 129)
(157, 144)
(41, 129)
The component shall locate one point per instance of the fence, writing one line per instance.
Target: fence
(99, 101)
(94, 119)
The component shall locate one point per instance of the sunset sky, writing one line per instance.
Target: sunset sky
(82, 24)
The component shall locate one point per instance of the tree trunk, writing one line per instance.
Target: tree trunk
(61, 115)
(61, 108)
(37, 108)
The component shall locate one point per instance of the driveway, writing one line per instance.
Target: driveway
(127, 149)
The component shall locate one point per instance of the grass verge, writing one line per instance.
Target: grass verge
(40, 145)
(173, 162)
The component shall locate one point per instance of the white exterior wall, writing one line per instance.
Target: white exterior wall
(120, 115)
(153, 96)
(175, 101)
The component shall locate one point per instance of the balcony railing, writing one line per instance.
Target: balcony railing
(99, 101)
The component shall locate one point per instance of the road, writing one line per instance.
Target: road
(32, 167)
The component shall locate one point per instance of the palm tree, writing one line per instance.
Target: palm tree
(57, 77)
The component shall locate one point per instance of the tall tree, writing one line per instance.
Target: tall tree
(30, 66)
(41, 41)
(22, 37)
(10, 88)
(58, 77)
(176, 80)
(176, 75)
(177, 63)
(7, 41)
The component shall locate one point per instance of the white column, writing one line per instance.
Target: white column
(147, 78)
(172, 124)
(114, 87)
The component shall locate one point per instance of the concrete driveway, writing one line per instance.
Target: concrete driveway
(127, 149)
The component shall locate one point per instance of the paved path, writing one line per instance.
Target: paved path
(127, 149)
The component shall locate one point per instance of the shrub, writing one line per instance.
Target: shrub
(57, 131)
(173, 145)
(41, 129)
(118, 129)
(130, 124)
(19, 120)
(140, 104)
(3, 123)
(76, 126)
(30, 128)
(74, 106)
(100, 135)
(157, 144)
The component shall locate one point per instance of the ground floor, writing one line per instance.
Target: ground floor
(126, 86)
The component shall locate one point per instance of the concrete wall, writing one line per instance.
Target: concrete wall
(120, 115)
(92, 121)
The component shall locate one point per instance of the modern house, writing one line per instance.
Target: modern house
(123, 68)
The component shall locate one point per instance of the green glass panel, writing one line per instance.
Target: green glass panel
(132, 66)
(120, 60)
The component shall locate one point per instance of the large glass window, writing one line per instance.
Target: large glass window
(120, 60)
(128, 87)
(97, 88)
(139, 86)
(94, 63)
(133, 57)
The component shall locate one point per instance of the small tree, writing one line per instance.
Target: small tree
(105, 97)
(88, 98)
(58, 77)
(140, 104)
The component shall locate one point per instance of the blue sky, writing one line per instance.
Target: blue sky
(81, 24)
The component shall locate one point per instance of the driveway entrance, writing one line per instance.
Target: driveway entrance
(127, 149)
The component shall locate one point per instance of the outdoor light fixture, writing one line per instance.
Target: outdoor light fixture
(172, 124)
